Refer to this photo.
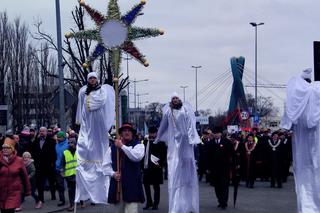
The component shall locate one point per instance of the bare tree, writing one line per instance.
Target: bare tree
(265, 105)
(5, 51)
(27, 91)
(219, 119)
(153, 114)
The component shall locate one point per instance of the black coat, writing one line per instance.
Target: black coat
(276, 158)
(219, 158)
(249, 161)
(236, 160)
(202, 155)
(45, 158)
(153, 175)
(287, 149)
(24, 145)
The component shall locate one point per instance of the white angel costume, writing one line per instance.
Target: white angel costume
(302, 114)
(178, 130)
(95, 114)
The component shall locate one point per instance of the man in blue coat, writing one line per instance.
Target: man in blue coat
(61, 146)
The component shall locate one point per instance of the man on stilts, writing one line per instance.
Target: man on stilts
(95, 114)
(178, 130)
(302, 114)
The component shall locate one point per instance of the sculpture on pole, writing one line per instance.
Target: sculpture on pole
(115, 34)
(238, 113)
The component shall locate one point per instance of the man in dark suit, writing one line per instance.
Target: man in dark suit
(154, 158)
(276, 159)
(201, 151)
(44, 155)
(263, 163)
(219, 155)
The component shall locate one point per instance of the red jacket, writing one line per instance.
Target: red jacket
(13, 181)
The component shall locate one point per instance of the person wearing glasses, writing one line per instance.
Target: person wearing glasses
(178, 130)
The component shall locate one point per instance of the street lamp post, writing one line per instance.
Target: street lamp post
(135, 90)
(60, 68)
(137, 110)
(255, 25)
(128, 59)
(138, 95)
(184, 92)
(196, 69)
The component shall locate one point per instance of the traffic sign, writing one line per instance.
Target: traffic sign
(204, 120)
(245, 115)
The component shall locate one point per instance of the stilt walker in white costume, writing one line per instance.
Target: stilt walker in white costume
(302, 114)
(95, 114)
(178, 130)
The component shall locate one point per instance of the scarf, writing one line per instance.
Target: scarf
(91, 88)
(27, 162)
(8, 158)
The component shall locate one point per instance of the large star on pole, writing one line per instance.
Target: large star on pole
(115, 33)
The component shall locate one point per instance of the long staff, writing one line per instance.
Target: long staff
(116, 88)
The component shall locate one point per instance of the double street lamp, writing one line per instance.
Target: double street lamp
(138, 96)
(184, 92)
(255, 25)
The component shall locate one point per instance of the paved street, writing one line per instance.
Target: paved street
(261, 199)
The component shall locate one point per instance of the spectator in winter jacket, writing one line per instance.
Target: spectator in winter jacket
(31, 169)
(18, 147)
(44, 155)
(25, 141)
(13, 178)
(1, 140)
(32, 135)
(61, 146)
(69, 162)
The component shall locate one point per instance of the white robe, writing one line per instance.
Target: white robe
(95, 114)
(302, 113)
(178, 130)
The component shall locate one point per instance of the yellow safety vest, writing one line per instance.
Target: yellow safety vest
(71, 163)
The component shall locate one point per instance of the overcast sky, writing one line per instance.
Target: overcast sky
(206, 33)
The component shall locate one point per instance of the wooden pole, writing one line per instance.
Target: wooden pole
(116, 88)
